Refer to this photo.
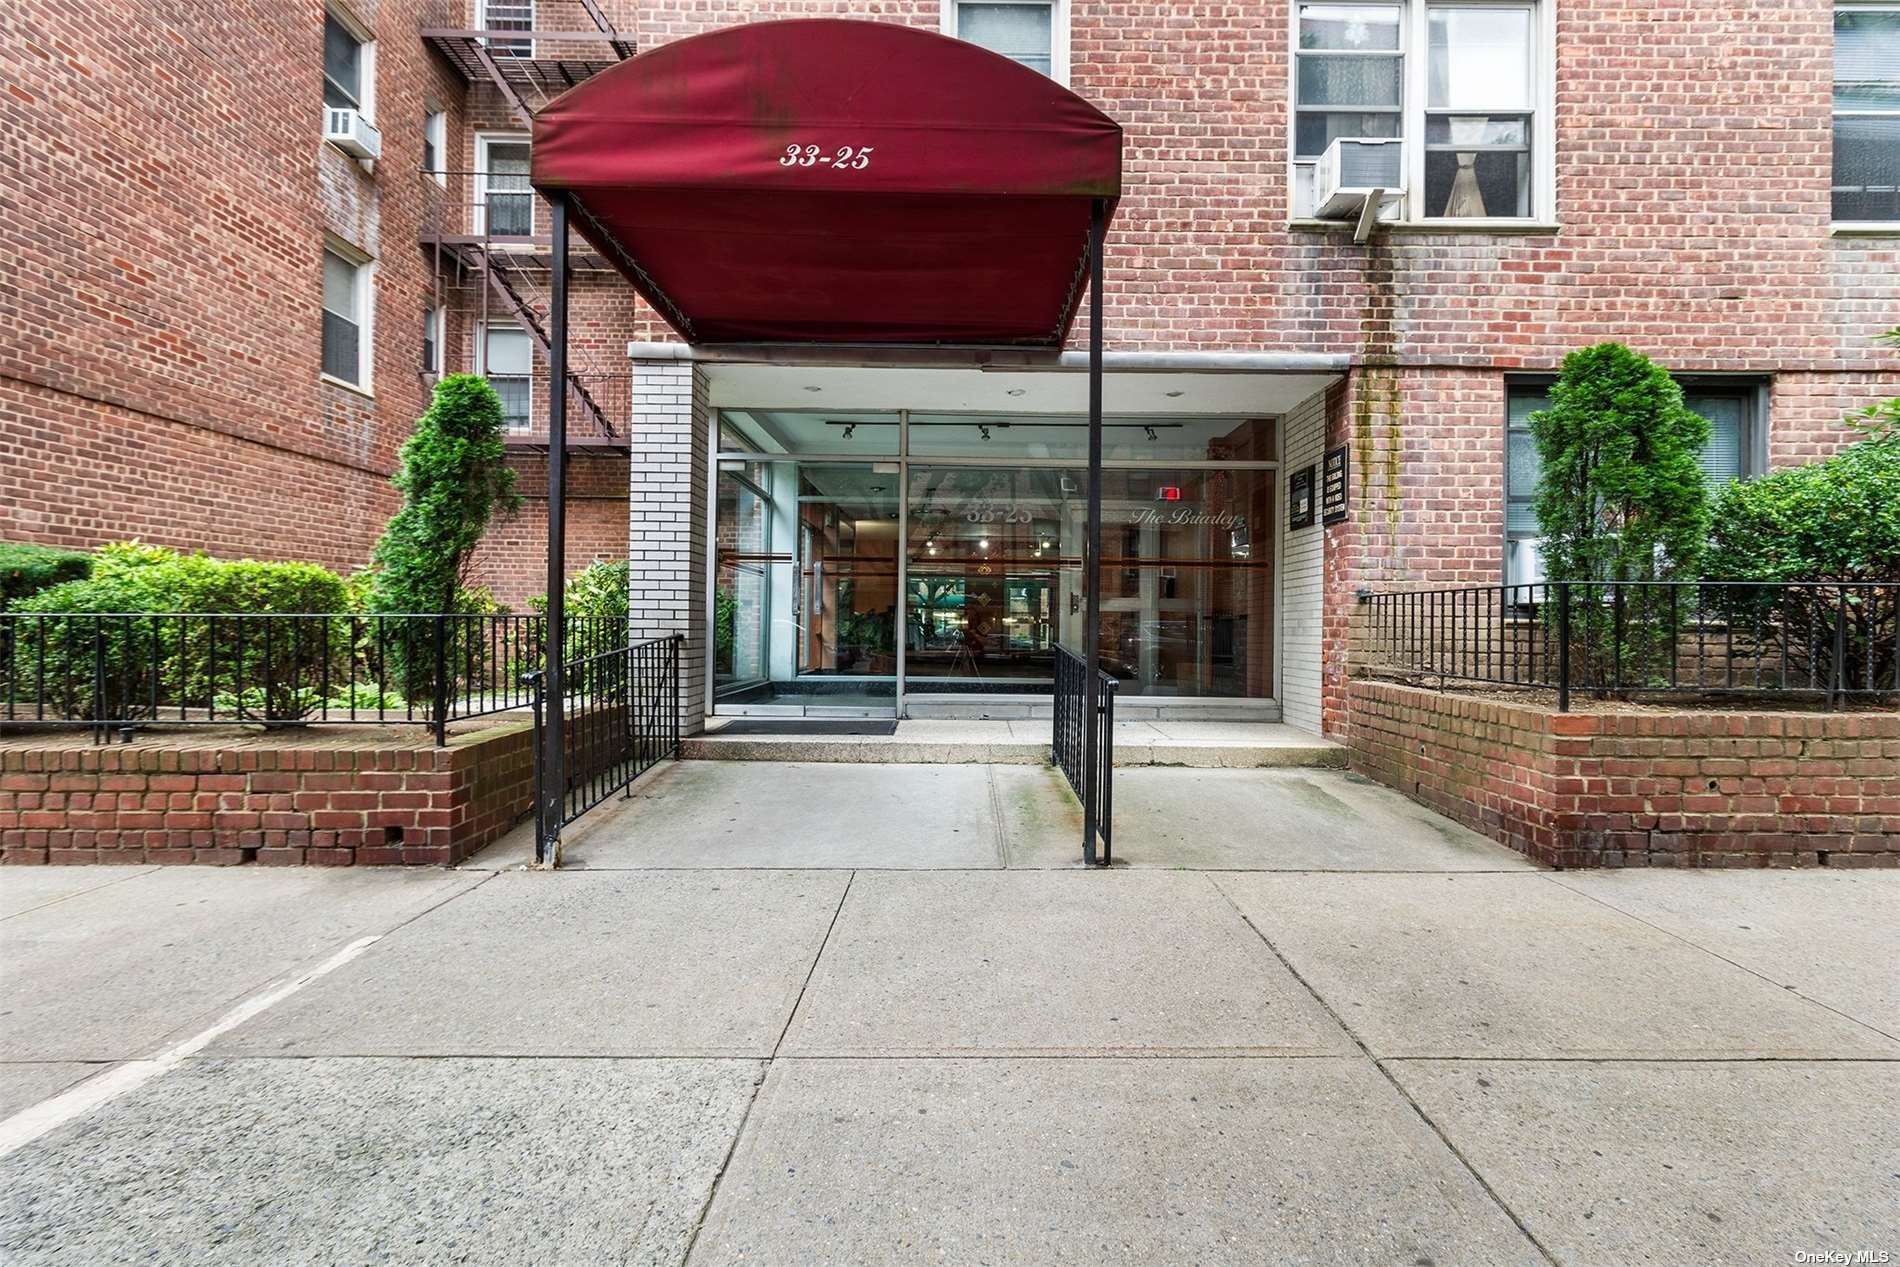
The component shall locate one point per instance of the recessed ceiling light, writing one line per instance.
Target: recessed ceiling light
(1171, 395)
(814, 389)
(1016, 391)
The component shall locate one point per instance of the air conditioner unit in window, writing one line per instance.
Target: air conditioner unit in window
(1525, 563)
(1353, 170)
(350, 132)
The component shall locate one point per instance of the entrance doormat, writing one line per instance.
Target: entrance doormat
(807, 726)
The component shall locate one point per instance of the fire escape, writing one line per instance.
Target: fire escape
(488, 239)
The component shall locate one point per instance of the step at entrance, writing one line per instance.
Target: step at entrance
(1205, 745)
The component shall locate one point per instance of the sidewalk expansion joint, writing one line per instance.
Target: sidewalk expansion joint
(1497, 1198)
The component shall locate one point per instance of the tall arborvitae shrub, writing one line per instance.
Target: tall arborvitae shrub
(1621, 498)
(453, 480)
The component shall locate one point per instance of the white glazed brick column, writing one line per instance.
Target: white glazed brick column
(666, 530)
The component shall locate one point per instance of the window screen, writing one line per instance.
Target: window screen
(1021, 32)
(508, 198)
(342, 65)
(1725, 457)
(342, 319)
(1867, 112)
(508, 364)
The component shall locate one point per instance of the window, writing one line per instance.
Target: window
(349, 62)
(504, 199)
(508, 15)
(434, 322)
(1732, 453)
(435, 146)
(1470, 110)
(508, 365)
(1867, 113)
(1033, 32)
(346, 308)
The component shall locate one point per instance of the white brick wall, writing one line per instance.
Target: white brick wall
(666, 530)
(1302, 580)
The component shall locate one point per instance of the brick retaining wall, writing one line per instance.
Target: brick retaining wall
(334, 799)
(1649, 788)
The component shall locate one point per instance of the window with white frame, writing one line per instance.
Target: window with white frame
(1735, 451)
(1463, 86)
(349, 59)
(508, 15)
(1867, 113)
(507, 362)
(504, 199)
(1033, 32)
(346, 317)
(435, 145)
(434, 322)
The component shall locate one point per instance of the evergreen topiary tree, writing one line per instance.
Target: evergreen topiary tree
(453, 480)
(1621, 496)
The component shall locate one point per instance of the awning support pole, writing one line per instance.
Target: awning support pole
(554, 734)
(1092, 569)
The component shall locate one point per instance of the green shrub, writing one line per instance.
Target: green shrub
(453, 478)
(1620, 498)
(186, 662)
(1833, 520)
(27, 569)
(1621, 495)
(725, 628)
(599, 589)
(130, 577)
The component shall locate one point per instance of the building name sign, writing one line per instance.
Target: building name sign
(1151, 518)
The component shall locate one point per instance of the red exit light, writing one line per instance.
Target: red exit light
(1168, 493)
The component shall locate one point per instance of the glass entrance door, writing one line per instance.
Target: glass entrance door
(805, 590)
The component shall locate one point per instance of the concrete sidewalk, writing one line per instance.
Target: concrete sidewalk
(1361, 1049)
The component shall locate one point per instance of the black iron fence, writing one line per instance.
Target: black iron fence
(116, 672)
(620, 717)
(1823, 641)
(1094, 782)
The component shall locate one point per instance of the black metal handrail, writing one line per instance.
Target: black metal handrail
(1828, 640)
(118, 671)
(1093, 786)
(620, 717)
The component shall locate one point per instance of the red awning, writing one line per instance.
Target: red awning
(836, 182)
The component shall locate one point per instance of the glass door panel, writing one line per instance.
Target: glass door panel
(805, 589)
(1187, 581)
(994, 562)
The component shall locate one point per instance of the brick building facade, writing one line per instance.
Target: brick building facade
(170, 197)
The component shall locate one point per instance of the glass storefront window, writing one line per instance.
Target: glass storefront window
(1187, 581)
(810, 611)
(995, 577)
(992, 552)
(1047, 437)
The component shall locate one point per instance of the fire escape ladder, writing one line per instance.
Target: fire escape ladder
(526, 67)
(619, 45)
(505, 290)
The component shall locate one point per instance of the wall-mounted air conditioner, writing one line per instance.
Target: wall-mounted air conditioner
(1524, 564)
(350, 132)
(1353, 170)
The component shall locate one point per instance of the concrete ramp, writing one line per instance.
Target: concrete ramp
(960, 816)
